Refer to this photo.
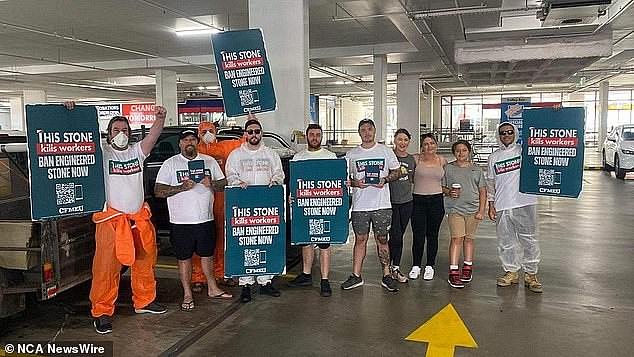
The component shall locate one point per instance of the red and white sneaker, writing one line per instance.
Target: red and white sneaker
(467, 273)
(454, 279)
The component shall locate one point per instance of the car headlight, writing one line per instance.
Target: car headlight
(629, 152)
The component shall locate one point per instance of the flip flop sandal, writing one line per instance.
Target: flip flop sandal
(187, 306)
(222, 296)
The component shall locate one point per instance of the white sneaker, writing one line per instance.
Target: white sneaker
(415, 272)
(429, 273)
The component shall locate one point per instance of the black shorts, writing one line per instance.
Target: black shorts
(320, 245)
(188, 239)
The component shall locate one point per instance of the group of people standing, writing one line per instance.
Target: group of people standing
(421, 187)
(424, 187)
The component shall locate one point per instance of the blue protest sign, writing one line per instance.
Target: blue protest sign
(243, 72)
(512, 110)
(255, 231)
(552, 152)
(319, 212)
(65, 161)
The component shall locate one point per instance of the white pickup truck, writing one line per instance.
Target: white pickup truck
(42, 258)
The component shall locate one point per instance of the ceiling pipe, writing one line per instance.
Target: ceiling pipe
(93, 68)
(97, 44)
(179, 13)
(430, 12)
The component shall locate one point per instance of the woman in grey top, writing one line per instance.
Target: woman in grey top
(465, 185)
(401, 198)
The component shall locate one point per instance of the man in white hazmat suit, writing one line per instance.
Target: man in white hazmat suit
(514, 212)
(253, 163)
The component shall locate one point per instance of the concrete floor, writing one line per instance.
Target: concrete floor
(586, 309)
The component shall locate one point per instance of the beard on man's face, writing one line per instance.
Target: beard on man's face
(314, 144)
(255, 140)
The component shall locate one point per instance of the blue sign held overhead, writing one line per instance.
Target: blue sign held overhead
(512, 111)
(255, 231)
(65, 161)
(552, 152)
(243, 72)
(319, 212)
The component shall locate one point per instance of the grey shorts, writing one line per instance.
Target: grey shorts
(381, 221)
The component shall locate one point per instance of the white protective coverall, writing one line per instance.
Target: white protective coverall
(516, 212)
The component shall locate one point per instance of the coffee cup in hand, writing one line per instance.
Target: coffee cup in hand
(456, 190)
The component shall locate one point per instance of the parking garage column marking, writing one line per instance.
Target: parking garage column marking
(443, 332)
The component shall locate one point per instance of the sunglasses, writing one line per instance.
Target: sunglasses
(254, 131)
(506, 132)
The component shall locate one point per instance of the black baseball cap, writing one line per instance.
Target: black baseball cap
(187, 132)
(367, 121)
(252, 121)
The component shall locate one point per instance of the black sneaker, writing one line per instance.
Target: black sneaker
(302, 279)
(269, 289)
(326, 291)
(103, 324)
(389, 284)
(245, 295)
(352, 282)
(152, 308)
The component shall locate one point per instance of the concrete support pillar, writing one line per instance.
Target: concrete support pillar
(436, 113)
(17, 114)
(166, 95)
(604, 91)
(380, 96)
(284, 24)
(408, 107)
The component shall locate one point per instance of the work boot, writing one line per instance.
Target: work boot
(245, 295)
(510, 277)
(531, 282)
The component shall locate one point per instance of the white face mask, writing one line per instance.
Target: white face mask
(120, 140)
(209, 137)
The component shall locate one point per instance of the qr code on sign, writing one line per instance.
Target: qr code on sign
(315, 226)
(546, 177)
(251, 257)
(65, 193)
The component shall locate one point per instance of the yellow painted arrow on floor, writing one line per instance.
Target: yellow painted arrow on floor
(443, 332)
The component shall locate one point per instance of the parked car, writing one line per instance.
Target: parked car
(618, 150)
(43, 258)
(167, 146)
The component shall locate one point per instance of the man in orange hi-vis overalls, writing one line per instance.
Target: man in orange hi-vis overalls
(220, 151)
(124, 233)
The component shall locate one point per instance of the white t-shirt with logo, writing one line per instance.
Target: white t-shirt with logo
(195, 205)
(317, 154)
(360, 161)
(123, 172)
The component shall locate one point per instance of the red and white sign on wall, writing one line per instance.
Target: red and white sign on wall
(139, 113)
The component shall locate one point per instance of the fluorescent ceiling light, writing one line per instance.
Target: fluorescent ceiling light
(196, 32)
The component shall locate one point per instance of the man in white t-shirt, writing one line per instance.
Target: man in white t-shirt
(371, 166)
(187, 181)
(124, 234)
(253, 163)
(314, 151)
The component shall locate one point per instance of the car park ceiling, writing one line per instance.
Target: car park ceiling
(110, 49)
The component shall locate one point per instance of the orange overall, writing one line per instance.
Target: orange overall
(219, 151)
(123, 239)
